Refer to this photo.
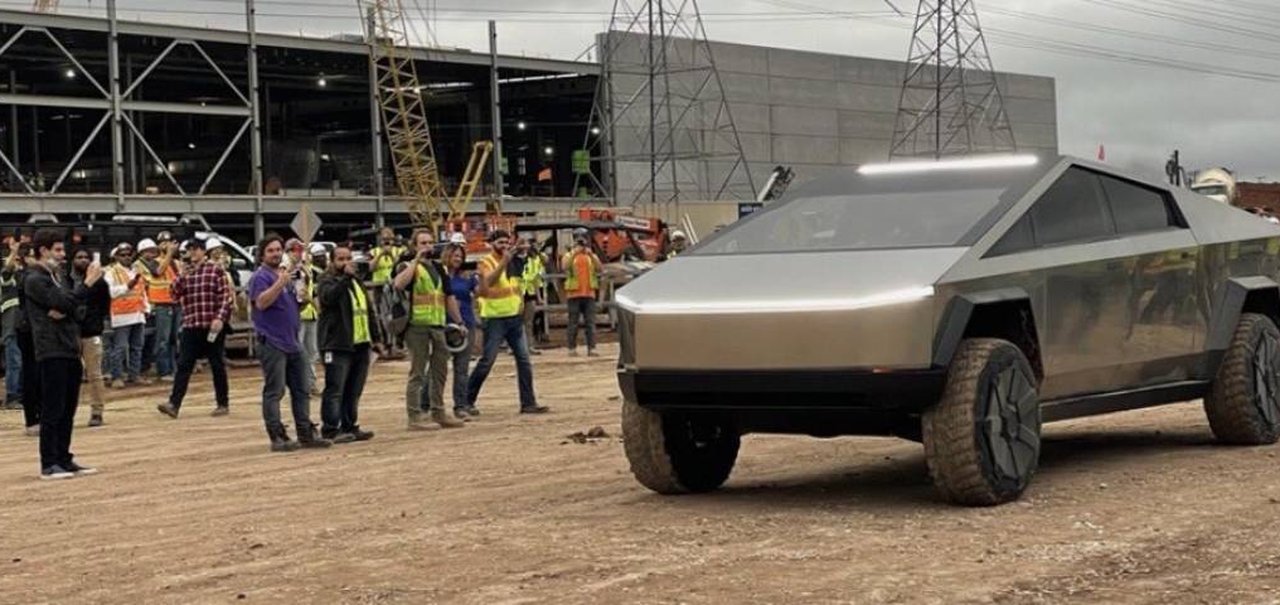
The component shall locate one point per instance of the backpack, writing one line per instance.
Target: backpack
(397, 306)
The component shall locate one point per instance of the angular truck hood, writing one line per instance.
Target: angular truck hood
(798, 281)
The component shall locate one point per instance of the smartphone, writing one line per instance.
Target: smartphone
(97, 257)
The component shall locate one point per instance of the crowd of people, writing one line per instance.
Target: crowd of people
(307, 307)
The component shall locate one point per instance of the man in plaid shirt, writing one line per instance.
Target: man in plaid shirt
(206, 300)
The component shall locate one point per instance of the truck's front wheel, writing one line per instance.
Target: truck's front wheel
(982, 440)
(676, 453)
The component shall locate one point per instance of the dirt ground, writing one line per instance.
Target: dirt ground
(1132, 508)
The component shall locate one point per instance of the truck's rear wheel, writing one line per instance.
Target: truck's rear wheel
(982, 440)
(674, 453)
(1244, 403)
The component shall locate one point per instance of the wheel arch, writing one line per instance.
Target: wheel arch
(1240, 295)
(1005, 314)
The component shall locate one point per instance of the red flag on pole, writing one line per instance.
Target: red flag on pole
(1102, 153)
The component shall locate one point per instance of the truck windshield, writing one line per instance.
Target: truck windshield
(1210, 189)
(855, 212)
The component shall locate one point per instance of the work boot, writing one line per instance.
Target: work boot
(167, 409)
(221, 410)
(117, 384)
(33, 430)
(439, 417)
(418, 423)
(280, 441)
(309, 437)
(361, 434)
(95, 419)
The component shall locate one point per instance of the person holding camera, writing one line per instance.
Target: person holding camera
(501, 299)
(54, 310)
(97, 306)
(129, 310)
(21, 258)
(581, 287)
(158, 268)
(432, 305)
(204, 295)
(10, 312)
(345, 338)
(277, 320)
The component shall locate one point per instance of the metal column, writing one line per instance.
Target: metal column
(16, 157)
(495, 100)
(375, 131)
(117, 134)
(255, 140)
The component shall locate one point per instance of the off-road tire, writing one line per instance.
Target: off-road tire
(1242, 404)
(982, 439)
(673, 453)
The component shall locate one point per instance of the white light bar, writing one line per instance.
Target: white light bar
(971, 163)
(883, 299)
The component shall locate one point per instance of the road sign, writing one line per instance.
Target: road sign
(746, 209)
(306, 224)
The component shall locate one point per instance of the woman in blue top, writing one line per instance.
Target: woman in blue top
(463, 283)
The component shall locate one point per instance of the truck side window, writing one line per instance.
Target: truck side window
(1139, 209)
(1073, 210)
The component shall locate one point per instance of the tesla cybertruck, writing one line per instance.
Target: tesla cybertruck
(959, 303)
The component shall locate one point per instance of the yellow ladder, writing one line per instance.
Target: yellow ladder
(470, 180)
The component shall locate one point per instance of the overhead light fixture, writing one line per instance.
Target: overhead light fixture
(549, 150)
(521, 125)
(884, 299)
(595, 130)
(322, 82)
(69, 74)
(191, 145)
(971, 163)
(324, 157)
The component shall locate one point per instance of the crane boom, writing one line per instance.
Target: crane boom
(402, 100)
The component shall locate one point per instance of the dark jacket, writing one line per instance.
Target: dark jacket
(97, 306)
(53, 338)
(335, 329)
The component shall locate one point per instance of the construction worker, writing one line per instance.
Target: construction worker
(382, 263)
(432, 305)
(10, 309)
(500, 309)
(129, 309)
(532, 277)
(97, 307)
(32, 402)
(158, 269)
(345, 337)
(581, 288)
(311, 270)
(679, 243)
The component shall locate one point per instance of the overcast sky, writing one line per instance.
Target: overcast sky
(1140, 112)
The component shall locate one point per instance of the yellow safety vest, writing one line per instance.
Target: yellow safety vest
(11, 283)
(531, 279)
(428, 300)
(503, 299)
(311, 311)
(384, 266)
(359, 315)
(570, 267)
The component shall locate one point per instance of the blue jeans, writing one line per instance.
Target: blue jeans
(166, 324)
(126, 351)
(280, 370)
(462, 365)
(510, 329)
(12, 367)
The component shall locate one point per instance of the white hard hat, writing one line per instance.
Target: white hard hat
(458, 238)
(146, 244)
(318, 249)
(212, 243)
(678, 234)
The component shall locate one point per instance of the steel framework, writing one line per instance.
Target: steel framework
(402, 99)
(661, 112)
(950, 102)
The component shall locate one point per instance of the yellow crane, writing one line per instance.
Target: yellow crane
(480, 152)
(402, 100)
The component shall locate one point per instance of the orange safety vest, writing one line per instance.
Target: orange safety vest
(132, 302)
(158, 287)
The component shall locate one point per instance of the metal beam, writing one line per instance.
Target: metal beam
(495, 107)
(80, 152)
(225, 153)
(255, 118)
(117, 134)
(154, 156)
(107, 105)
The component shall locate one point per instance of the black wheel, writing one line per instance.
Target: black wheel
(1242, 405)
(676, 453)
(982, 440)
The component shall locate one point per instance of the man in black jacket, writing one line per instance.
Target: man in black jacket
(97, 310)
(345, 335)
(54, 311)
